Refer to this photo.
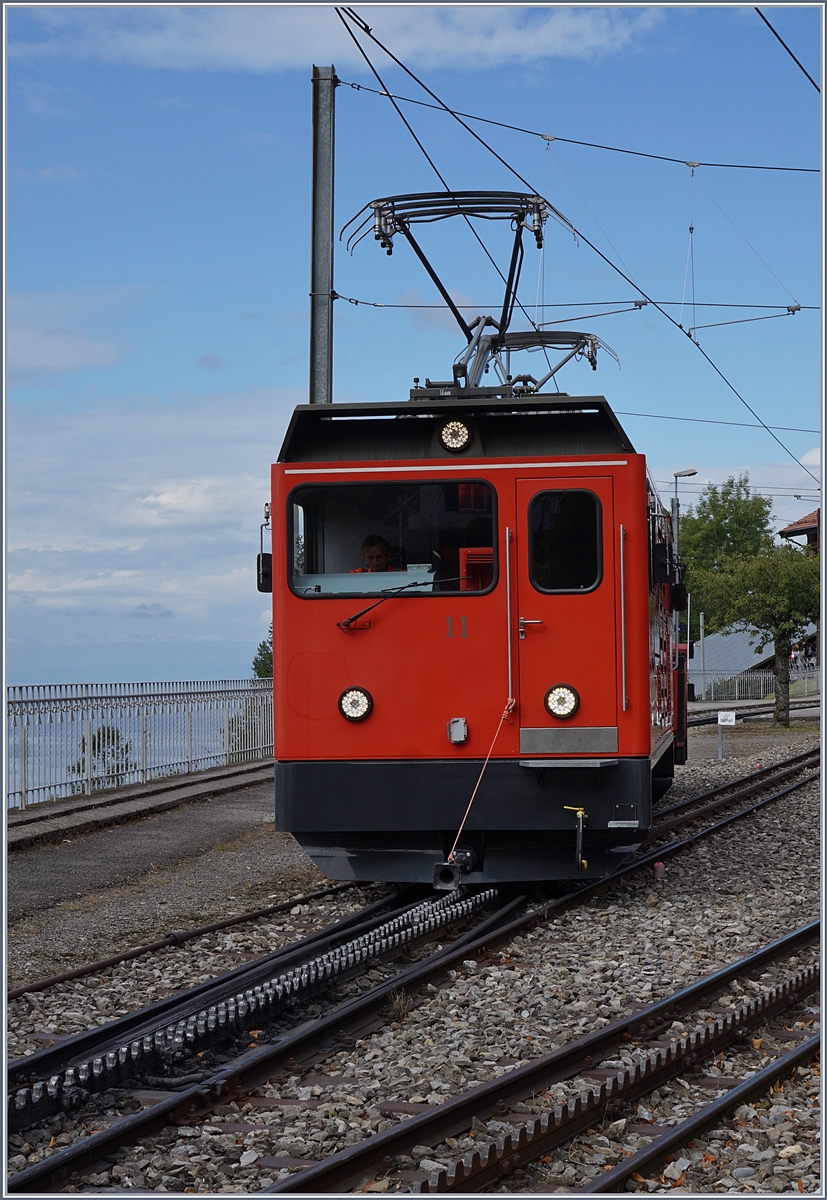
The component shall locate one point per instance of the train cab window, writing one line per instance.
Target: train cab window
(365, 539)
(566, 552)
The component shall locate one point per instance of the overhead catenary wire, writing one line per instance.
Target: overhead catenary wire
(354, 17)
(365, 28)
(548, 137)
(570, 304)
(746, 239)
(789, 51)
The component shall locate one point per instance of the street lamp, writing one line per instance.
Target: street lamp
(676, 475)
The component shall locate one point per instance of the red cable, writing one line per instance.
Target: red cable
(509, 708)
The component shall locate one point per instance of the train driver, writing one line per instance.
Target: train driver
(377, 555)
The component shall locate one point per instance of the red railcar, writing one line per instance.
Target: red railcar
(526, 563)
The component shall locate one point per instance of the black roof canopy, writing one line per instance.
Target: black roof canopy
(513, 426)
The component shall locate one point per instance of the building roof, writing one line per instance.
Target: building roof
(802, 525)
(731, 653)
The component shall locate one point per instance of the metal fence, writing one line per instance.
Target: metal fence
(751, 685)
(73, 739)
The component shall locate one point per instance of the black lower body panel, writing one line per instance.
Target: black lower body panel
(394, 821)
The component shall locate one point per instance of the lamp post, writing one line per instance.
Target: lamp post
(676, 475)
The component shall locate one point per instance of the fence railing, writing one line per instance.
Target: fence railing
(73, 739)
(751, 685)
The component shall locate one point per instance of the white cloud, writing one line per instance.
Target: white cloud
(793, 492)
(48, 332)
(43, 99)
(277, 37)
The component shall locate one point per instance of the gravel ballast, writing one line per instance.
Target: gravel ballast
(718, 901)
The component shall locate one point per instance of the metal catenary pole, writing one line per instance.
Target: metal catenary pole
(321, 261)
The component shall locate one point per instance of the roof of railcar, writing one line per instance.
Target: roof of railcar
(521, 426)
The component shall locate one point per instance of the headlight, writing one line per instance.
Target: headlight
(455, 436)
(561, 701)
(355, 704)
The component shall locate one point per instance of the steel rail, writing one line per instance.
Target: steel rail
(764, 773)
(706, 1118)
(47, 1061)
(251, 1069)
(256, 1066)
(714, 805)
(129, 1061)
(350, 1167)
(50, 1060)
(746, 713)
(176, 938)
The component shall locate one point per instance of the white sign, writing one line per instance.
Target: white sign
(727, 717)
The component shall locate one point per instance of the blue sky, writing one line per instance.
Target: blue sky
(158, 181)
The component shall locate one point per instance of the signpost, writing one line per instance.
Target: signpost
(725, 717)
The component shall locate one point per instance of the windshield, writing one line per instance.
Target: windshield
(366, 539)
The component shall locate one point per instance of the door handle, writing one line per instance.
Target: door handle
(522, 622)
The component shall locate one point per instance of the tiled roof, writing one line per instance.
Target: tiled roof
(802, 525)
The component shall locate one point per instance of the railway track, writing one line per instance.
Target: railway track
(693, 809)
(663, 1146)
(258, 1062)
(177, 938)
(746, 714)
(538, 1133)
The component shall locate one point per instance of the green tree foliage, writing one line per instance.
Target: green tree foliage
(776, 593)
(729, 521)
(110, 760)
(263, 660)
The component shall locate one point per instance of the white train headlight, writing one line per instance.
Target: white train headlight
(561, 701)
(455, 436)
(355, 704)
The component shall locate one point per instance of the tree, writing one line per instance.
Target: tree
(263, 660)
(776, 595)
(109, 760)
(729, 521)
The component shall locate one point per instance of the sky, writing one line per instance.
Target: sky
(158, 247)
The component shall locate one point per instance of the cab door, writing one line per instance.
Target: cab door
(565, 616)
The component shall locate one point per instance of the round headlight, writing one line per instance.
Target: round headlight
(455, 436)
(355, 704)
(561, 701)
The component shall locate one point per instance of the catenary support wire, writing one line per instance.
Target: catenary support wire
(361, 87)
(367, 31)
